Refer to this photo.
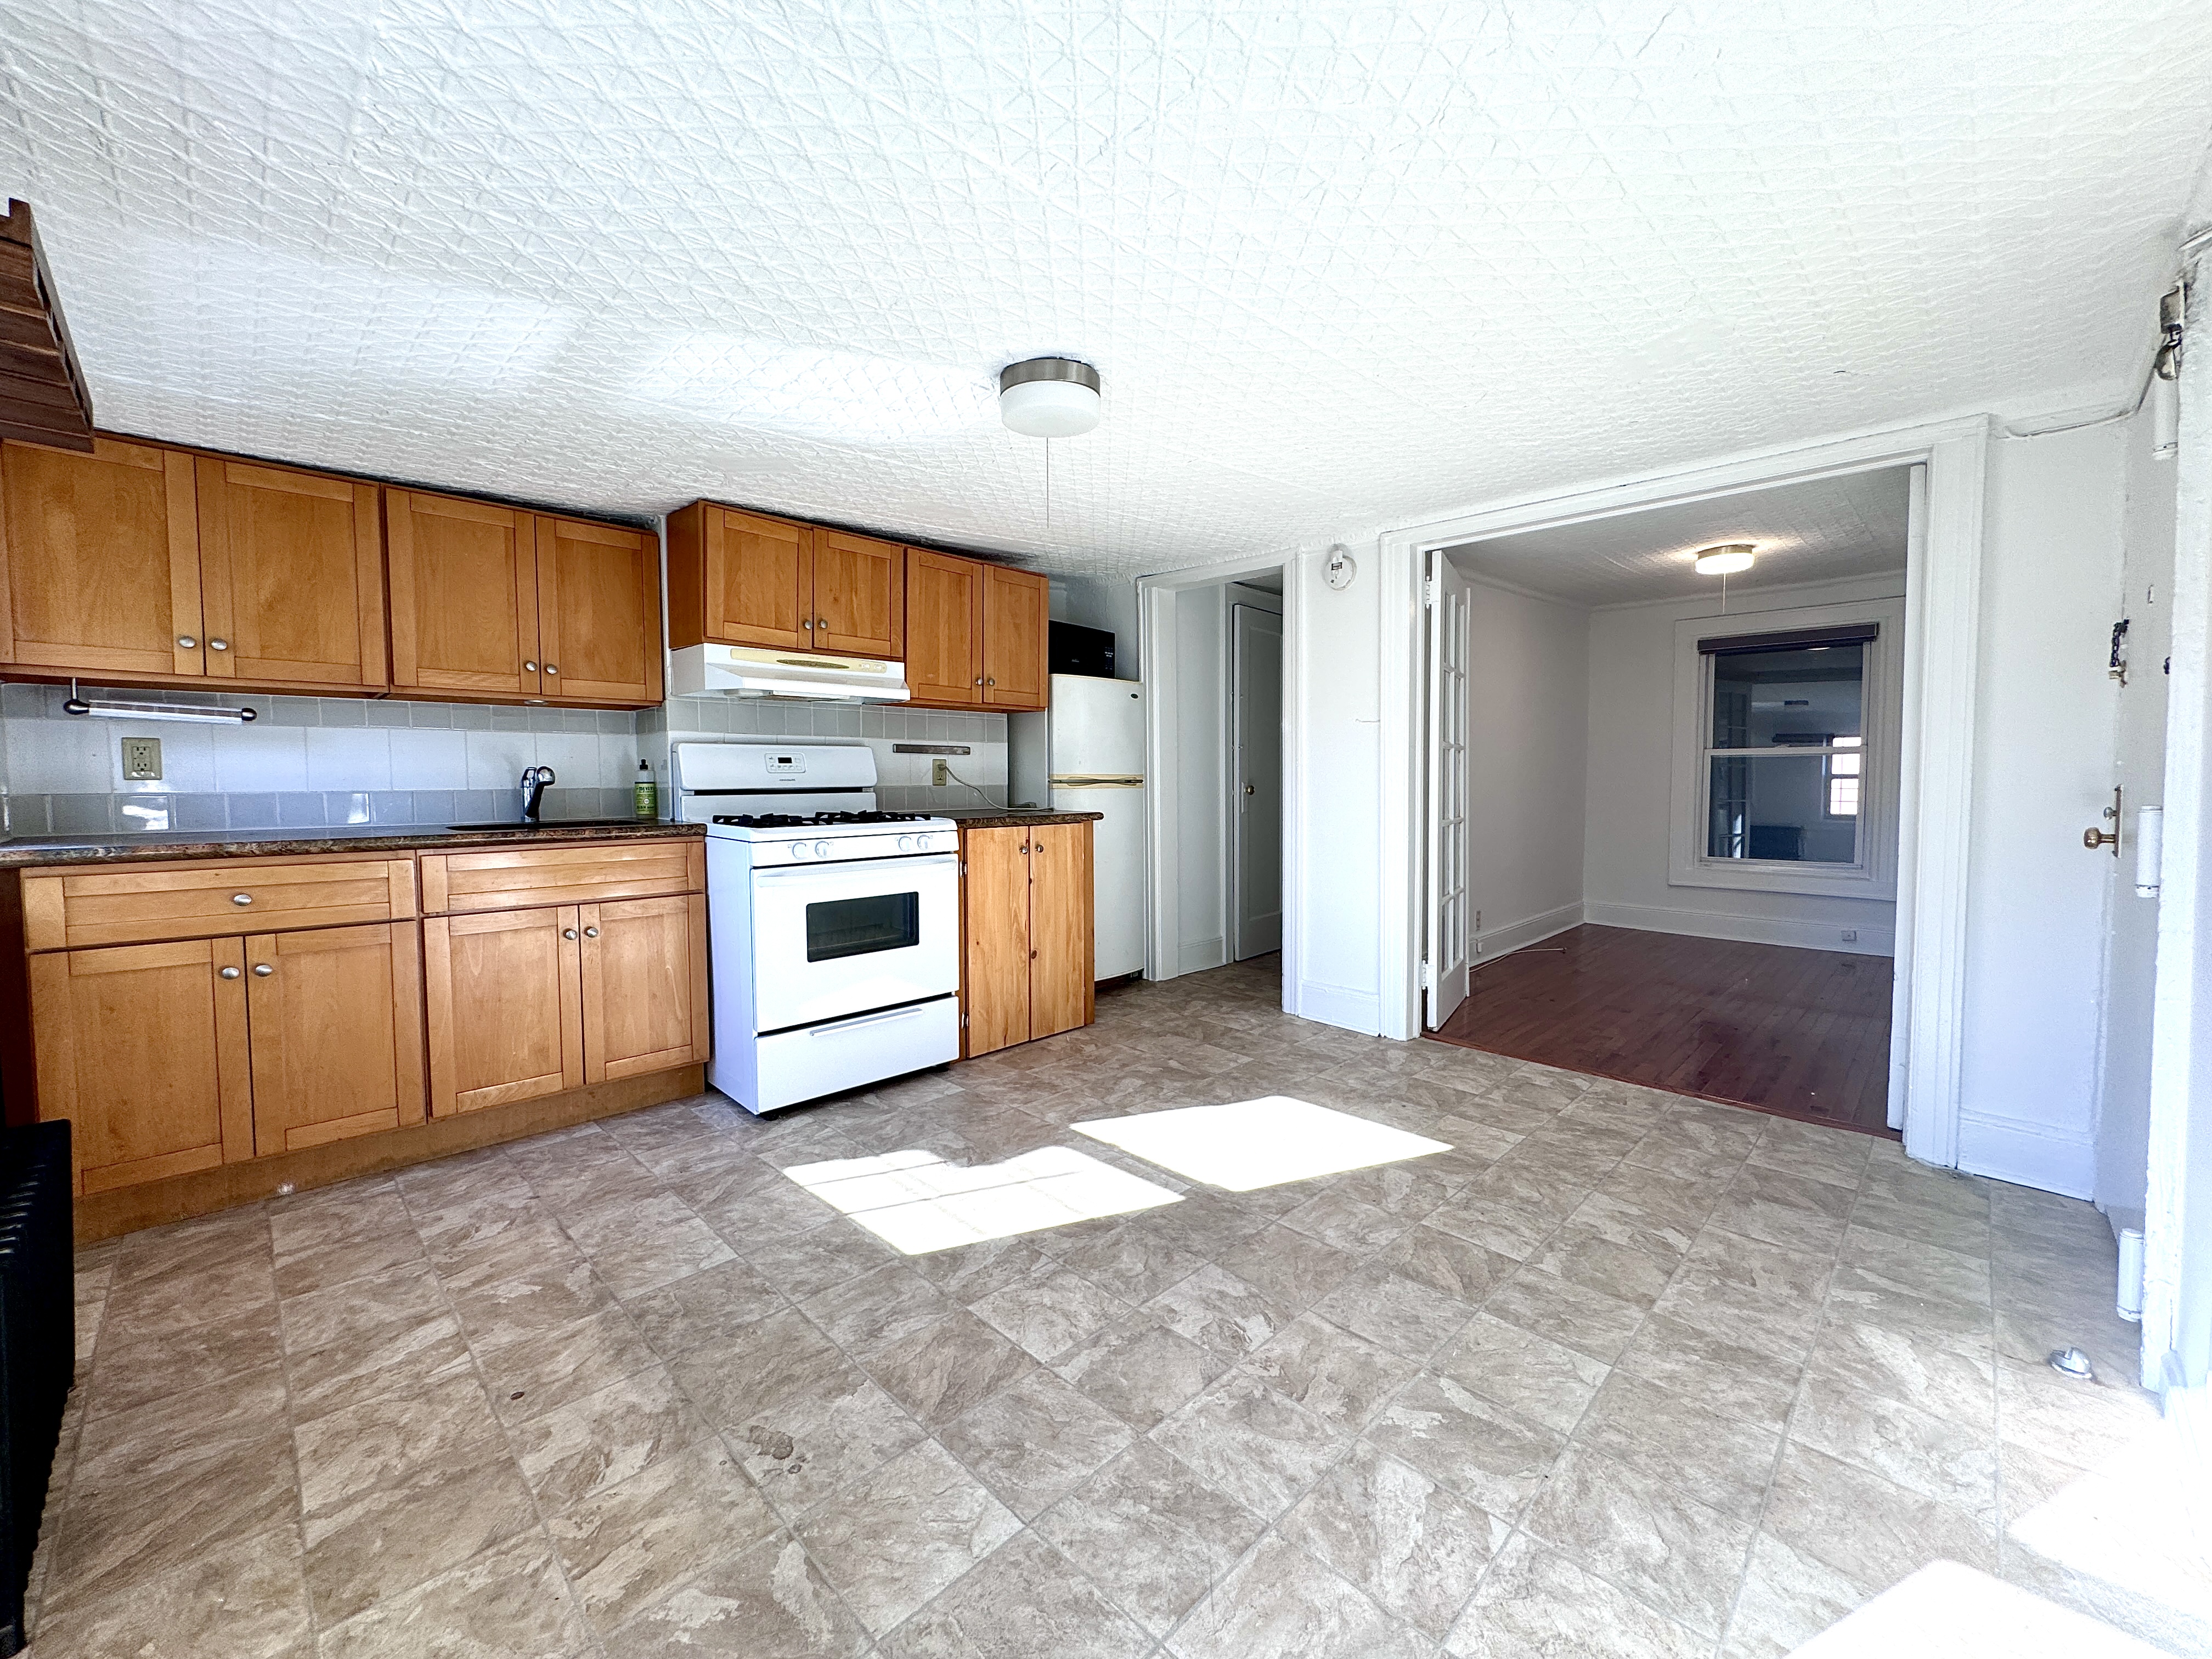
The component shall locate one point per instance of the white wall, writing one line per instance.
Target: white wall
(2139, 768)
(2035, 923)
(1200, 764)
(1528, 686)
(1626, 846)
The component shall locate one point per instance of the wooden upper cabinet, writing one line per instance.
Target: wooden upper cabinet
(598, 612)
(335, 1017)
(100, 560)
(1016, 621)
(739, 579)
(944, 628)
(463, 596)
(291, 576)
(143, 1049)
(860, 595)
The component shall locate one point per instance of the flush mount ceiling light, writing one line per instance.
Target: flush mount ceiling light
(1049, 397)
(1725, 559)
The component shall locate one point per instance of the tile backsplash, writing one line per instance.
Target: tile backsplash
(314, 762)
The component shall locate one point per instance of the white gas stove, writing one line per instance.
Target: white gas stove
(835, 926)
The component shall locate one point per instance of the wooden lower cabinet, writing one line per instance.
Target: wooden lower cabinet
(525, 1003)
(144, 1048)
(1027, 929)
(334, 1019)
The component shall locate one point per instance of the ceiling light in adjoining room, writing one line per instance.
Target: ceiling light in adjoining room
(1725, 559)
(1049, 397)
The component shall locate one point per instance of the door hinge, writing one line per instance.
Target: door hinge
(1428, 976)
(1428, 593)
(964, 1022)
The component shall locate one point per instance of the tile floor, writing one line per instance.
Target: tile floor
(1622, 1374)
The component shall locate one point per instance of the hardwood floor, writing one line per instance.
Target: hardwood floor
(1802, 1034)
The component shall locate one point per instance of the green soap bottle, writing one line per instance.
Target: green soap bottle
(647, 794)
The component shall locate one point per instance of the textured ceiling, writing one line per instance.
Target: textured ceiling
(1342, 263)
(1821, 530)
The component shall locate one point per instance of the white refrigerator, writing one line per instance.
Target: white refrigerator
(1092, 760)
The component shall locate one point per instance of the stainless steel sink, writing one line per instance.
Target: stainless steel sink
(512, 827)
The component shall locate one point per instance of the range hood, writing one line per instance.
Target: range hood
(745, 671)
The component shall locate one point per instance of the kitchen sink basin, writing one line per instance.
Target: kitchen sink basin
(550, 824)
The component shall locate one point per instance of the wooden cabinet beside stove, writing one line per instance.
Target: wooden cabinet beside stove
(1025, 933)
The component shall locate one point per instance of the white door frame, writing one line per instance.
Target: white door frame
(1156, 596)
(1943, 629)
(1232, 853)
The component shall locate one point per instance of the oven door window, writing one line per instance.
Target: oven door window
(860, 927)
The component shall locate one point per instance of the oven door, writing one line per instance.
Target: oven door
(835, 940)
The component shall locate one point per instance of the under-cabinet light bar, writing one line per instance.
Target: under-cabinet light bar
(101, 709)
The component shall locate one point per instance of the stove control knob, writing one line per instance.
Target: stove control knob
(906, 843)
(799, 849)
(924, 843)
(821, 849)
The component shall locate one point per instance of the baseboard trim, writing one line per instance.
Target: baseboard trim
(2027, 1154)
(1872, 941)
(126, 1209)
(1340, 1005)
(1495, 942)
(1199, 955)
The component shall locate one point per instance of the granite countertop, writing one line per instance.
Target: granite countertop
(329, 838)
(1001, 818)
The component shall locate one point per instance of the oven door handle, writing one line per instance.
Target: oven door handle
(840, 1027)
(815, 875)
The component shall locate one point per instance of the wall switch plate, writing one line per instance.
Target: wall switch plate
(142, 758)
(941, 772)
(1851, 936)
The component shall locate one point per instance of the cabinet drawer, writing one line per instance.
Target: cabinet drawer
(526, 877)
(70, 909)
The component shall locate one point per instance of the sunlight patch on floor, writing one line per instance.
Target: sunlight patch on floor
(1252, 1144)
(1946, 1611)
(916, 1202)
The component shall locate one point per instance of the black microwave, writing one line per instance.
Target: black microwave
(1074, 650)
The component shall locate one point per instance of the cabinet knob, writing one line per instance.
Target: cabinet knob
(591, 933)
(823, 622)
(807, 622)
(552, 667)
(218, 645)
(530, 668)
(262, 971)
(241, 898)
(990, 682)
(979, 679)
(568, 933)
(227, 973)
(187, 643)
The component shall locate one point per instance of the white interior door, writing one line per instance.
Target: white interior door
(1256, 780)
(1445, 956)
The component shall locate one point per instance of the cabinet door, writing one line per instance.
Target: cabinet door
(860, 595)
(1017, 614)
(645, 985)
(505, 1001)
(142, 1047)
(463, 596)
(292, 574)
(756, 579)
(100, 562)
(944, 628)
(598, 612)
(997, 924)
(335, 1018)
(1062, 985)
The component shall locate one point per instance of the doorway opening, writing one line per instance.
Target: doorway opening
(1214, 671)
(1664, 803)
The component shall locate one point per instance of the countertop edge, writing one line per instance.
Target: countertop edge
(1009, 820)
(135, 850)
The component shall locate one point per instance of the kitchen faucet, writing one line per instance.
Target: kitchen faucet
(534, 779)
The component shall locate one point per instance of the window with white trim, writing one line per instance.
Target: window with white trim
(1785, 721)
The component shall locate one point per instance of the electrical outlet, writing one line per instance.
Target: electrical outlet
(142, 758)
(1851, 936)
(941, 772)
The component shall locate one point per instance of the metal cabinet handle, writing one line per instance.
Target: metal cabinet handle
(568, 933)
(227, 973)
(187, 642)
(218, 645)
(530, 668)
(552, 667)
(807, 622)
(979, 679)
(990, 682)
(241, 898)
(591, 933)
(262, 971)
(823, 622)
